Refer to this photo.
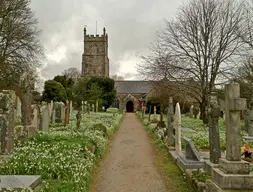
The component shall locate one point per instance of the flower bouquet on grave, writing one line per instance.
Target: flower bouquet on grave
(247, 152)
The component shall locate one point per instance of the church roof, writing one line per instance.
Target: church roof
(133, 86)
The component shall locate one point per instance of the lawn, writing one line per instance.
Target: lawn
(64, 157)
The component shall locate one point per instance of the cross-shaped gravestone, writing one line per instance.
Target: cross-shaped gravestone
(234, 104)
(214, 135)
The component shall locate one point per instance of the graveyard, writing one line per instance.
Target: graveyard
(55, 154)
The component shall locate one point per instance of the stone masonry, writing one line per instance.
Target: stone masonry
(95, 60)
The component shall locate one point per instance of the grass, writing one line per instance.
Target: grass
(175, 179)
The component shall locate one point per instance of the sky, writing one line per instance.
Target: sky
(131, 26)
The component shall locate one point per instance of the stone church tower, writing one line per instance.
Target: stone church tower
(95, 60)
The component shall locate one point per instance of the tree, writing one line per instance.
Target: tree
(117, 78)
(80, 92)
(54, 91)
(72, 73)
(198, 46)
(20, 49)
(95, 92)
(67, 83)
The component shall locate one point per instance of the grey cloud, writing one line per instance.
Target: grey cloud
(131, 26)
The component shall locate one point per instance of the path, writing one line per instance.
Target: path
(129, 165)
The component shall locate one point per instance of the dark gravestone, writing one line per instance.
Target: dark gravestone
(58, 118)
(191, 158)
(214, 135)
(3, 126)
(191, 152)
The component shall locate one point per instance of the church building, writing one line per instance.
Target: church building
(130, 94)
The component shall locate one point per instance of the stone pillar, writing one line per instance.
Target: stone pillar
(170, 131)
(214, 135)
(177, 125)
(234, 104)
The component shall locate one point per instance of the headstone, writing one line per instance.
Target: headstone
(18, 182)
(93, 108)
(26, 109)
(214, 135)
(233, 173)
(35, 116)
(3, 126)
(195, 112)
(59, 112)
(18, 109)
(53, 113)
(78, 119)
(8, 118)
(67, 113)
(170, 131)
(177, 126)
(234, 104)
(191, 158)
(82, 106)
(155, 113)
(191, 111)
(45, 117)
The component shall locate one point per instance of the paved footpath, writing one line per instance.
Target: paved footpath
(129, 165)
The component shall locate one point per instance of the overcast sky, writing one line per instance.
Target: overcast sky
(130, 24)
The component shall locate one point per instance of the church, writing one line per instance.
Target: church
(95, 62)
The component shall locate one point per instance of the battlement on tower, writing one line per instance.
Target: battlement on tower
(95, 37)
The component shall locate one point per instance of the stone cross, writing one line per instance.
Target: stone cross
(177, 126)
(234, 104)
(214, 135)
(170, 131)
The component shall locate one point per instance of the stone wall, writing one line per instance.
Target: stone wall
(95, 60)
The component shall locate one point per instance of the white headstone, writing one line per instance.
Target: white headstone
(177, 126)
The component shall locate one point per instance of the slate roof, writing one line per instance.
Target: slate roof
(137, 87)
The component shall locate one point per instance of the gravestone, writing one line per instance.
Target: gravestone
(214, 135)
(44, 121)
(191, 111)
(8, 118)
(59, 112)
(248, 120)
(233, 173)
(67, 113)
(26, 109)
(177, 126)
(78, 119)
(18, 182)
(18, 110)
(191, 158)
(155, 113)
(3, 126)
(149, 113)
(35, 116)
(195, 112)
(53, 113)
(170, 129)
(70, 107)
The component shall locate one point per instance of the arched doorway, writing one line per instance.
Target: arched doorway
(130, 107)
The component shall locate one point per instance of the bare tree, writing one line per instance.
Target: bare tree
(117, 77)
(200, 42)
(20, 49)
(72, 73)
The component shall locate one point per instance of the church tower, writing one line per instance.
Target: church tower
(95, 60)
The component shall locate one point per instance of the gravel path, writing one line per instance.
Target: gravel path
(129, 164)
